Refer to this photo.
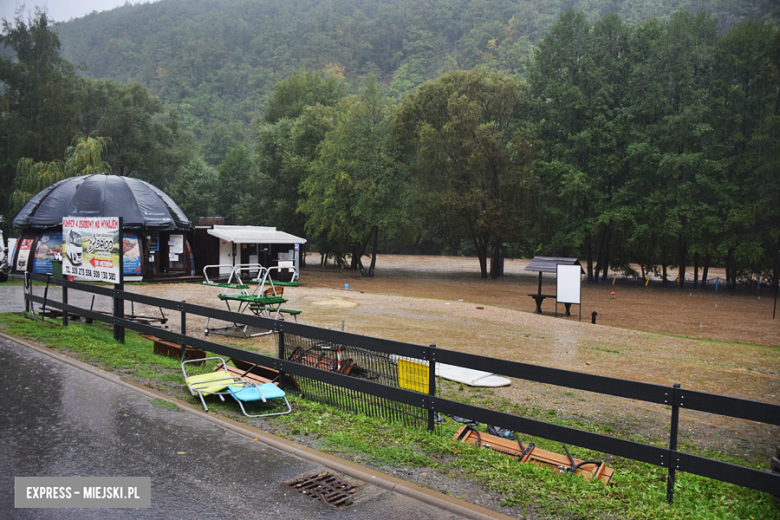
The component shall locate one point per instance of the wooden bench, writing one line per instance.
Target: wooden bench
(173, 350)
(257, 373)
(548, 459)
(539, 298)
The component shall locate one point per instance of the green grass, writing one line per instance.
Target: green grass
(638, 490)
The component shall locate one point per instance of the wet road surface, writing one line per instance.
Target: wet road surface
(59, 420)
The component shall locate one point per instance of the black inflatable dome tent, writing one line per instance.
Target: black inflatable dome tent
(155, 239)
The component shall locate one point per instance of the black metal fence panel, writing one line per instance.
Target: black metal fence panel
(326, 352)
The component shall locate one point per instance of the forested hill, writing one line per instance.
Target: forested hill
(217, 61)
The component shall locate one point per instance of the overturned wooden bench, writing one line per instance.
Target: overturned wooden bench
(587, 469)
(257, 373)
(173, 350)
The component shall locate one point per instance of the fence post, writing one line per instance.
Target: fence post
(183, 331)
(673, 446)
(280, 333)
(431, 385)
(27, 291)
(119, 303)
(64, 302)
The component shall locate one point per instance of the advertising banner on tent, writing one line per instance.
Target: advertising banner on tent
(49, 248)
(131, 248)
(25, 246)
(92, 248)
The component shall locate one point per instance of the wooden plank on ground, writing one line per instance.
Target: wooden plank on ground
(534, 455)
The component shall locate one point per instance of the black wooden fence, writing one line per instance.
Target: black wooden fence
(675, 397)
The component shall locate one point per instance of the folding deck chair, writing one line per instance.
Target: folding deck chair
(211, 383)
(254, 393)
(222, 383)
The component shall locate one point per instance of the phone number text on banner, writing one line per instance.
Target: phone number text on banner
(92, 248)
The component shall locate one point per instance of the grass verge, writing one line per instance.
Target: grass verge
(433, 460)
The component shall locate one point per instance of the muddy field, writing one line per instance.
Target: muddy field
(707, 340)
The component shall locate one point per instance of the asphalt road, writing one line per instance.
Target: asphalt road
(12, 298)
(61, 420)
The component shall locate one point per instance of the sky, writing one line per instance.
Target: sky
(61, 10)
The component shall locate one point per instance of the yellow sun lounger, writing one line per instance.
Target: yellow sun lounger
(212, 383)
(222, 383)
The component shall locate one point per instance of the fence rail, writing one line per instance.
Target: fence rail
(675, 397)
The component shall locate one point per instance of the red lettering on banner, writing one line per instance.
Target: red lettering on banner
(102, 263)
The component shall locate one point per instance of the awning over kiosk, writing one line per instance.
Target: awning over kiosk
(254, 235)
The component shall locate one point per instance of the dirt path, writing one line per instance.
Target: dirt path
(711, 341)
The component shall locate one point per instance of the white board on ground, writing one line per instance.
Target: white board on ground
(466, 376)
(470, 377)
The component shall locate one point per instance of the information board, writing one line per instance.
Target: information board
(92, 248)
(569, 280)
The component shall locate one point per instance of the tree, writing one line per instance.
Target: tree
(302, 89)
(745, 110)
(670, 85)
(194, 193)
(86, 158)
(283, 154)
(356, 188)
(39, 96)
(299, 115)
(233, 172)
(466, 140)
(577, 83)
(140, 145)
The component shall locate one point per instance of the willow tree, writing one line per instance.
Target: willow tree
(86, 158)
(465, 138)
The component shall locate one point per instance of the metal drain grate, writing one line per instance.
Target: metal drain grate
(325, 487)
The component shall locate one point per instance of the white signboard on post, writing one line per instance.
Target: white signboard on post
(569, 280)
(92, 248)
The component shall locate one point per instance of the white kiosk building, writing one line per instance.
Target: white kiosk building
(265, 246)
